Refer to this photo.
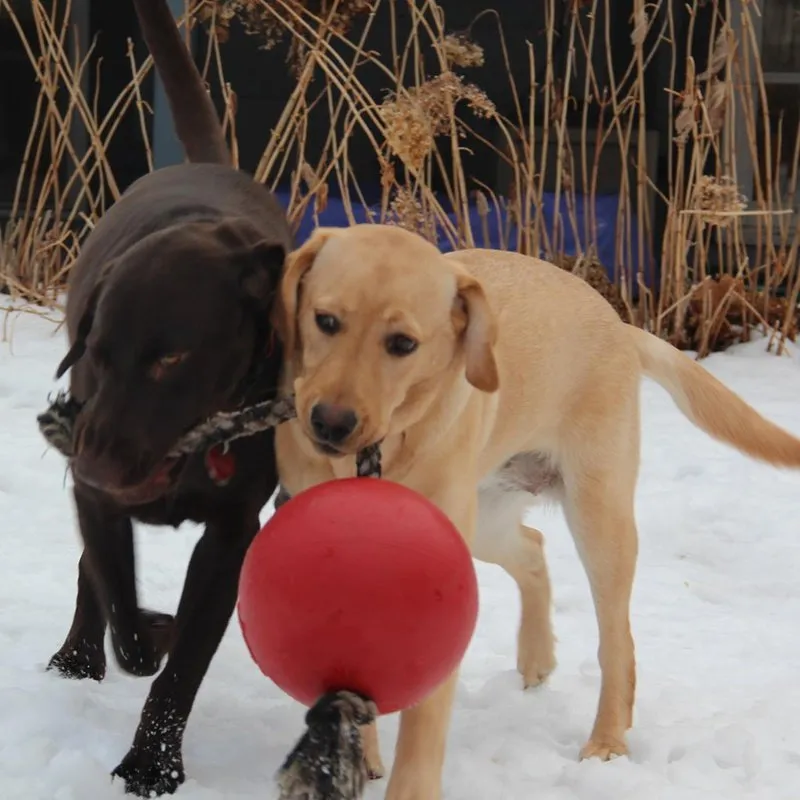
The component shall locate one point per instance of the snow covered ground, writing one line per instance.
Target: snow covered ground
(716, 616)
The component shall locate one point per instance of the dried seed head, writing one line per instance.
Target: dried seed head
(460, 51)
(687, 116)
(407, 130)
(717, 104)
(271, 21)
(717, 199)
(387, 173)
(481, 203)
(718, 58)
(412, 120)
(406, 211)
(217, 15)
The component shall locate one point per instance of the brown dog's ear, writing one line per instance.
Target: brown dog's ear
(475, 321)
(261, 259)
(262, 275)
(78, 348)
(298, 263)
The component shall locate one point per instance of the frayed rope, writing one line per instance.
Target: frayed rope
(328, 762)
(56, 425)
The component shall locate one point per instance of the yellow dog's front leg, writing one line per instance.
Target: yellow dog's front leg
(420, 751)
(421, 744)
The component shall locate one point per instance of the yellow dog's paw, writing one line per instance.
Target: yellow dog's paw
(372, 752)
(375, 769)
(535, 664)
(604, 748)
(406, 785)
(413, 792)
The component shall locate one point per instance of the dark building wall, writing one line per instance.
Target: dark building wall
(263, 82)
(111, 25)
(18, 94)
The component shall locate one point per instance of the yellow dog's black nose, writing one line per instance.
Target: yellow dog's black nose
(332, 424)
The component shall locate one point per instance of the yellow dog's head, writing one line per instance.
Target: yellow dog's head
(376, 323)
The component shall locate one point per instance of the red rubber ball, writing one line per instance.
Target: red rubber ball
(358, 584)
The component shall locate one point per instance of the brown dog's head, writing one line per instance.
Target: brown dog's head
(376, 325)
(164, 339)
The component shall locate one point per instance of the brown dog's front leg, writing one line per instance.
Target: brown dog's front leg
(107, 581)
(82, 654)
(154, 764)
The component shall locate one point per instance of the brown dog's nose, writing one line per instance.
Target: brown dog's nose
(108, 461)
(332, 424)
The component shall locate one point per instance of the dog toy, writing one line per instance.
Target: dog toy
(56, 425)
(356, 598)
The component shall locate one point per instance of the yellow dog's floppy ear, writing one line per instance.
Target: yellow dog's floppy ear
(476, 322)
(297, 264)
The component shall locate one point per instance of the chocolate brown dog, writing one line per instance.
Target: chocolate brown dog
(168, 319)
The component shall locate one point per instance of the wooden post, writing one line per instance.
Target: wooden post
(78, 43)
(167, 149)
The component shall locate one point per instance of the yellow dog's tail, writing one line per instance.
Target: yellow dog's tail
(713, 407)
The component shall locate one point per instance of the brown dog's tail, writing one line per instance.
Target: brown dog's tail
(196, 120)
(713, 407)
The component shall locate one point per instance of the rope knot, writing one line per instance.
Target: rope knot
(328, 762)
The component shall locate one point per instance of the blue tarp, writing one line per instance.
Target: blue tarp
(605, 213)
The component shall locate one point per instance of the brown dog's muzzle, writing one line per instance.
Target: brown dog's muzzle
(114, 463)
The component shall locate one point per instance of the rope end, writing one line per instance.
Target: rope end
(328, 762)
(56, 423)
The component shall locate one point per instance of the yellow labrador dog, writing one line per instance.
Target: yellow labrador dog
(490, 378)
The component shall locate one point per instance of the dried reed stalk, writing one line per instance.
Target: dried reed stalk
(419, 133)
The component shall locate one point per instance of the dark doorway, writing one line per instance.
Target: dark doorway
(19, 92)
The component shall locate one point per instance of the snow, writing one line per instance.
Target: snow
(715, 616)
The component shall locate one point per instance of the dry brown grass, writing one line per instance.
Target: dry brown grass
(419, 136)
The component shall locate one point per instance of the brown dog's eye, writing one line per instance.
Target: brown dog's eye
(161, 365)
(398, 344)
(328, 324)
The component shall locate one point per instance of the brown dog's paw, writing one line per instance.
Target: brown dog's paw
(79, 661)
(604, 748)
(151, 772)
(162, 630)
(141, 651)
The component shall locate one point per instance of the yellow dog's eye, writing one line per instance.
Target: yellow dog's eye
(162, 364)
(399, 345)
(327, 323)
